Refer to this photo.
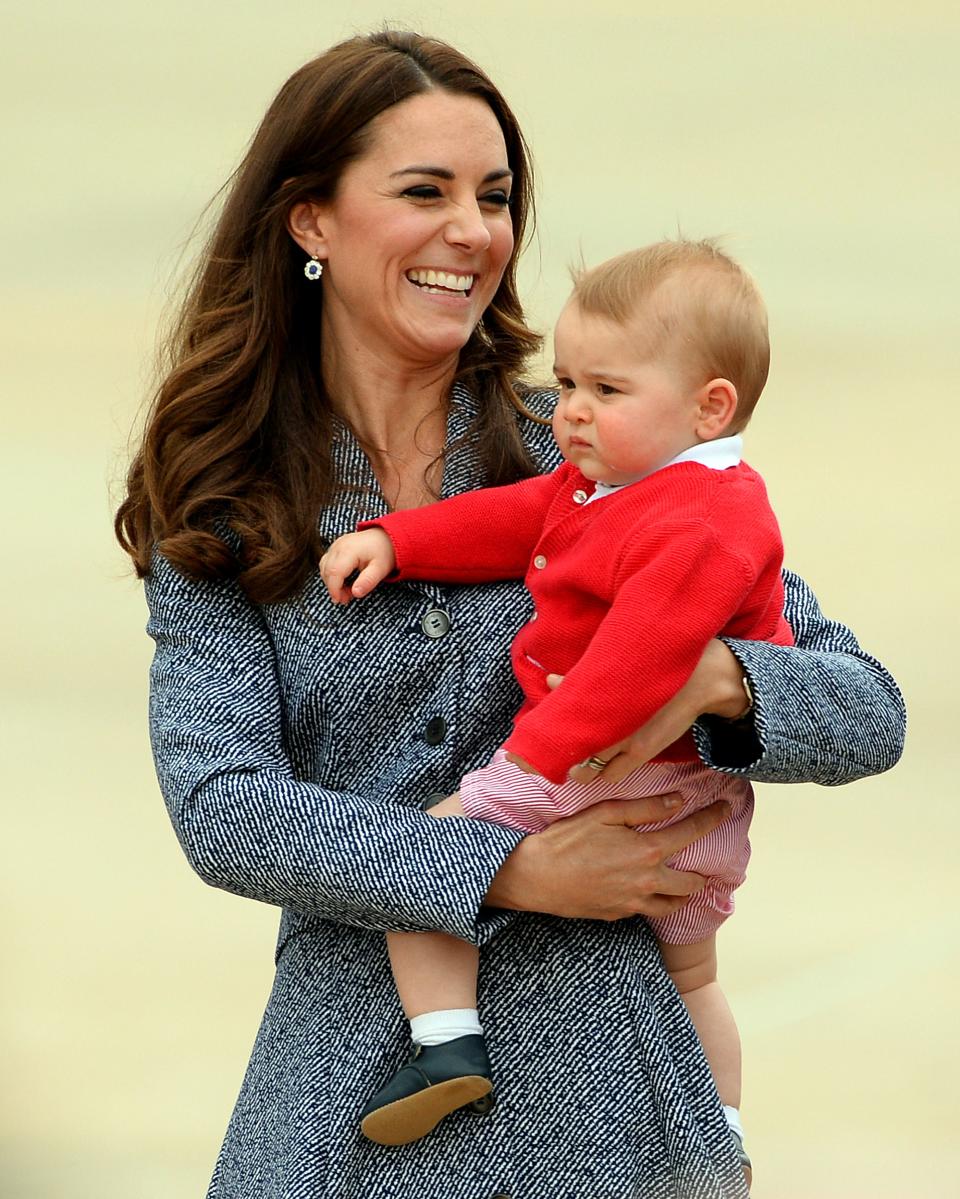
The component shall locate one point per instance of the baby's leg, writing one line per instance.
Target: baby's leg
(436, 977)
(436, 974)
(693, 969)
(433, 971)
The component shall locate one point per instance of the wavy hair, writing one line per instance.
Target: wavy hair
(238, 433)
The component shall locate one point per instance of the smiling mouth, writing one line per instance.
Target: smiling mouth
(441, 283)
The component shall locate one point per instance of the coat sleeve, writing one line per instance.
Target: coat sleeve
(249, 826)
(825, 710)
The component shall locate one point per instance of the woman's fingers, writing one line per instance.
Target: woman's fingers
(602, 864)
(605, 765)
(663, 905)
(663, 843)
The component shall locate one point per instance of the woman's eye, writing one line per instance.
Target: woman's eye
(422, 191)
(499, 199)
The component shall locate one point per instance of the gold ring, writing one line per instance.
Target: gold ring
(596, 763)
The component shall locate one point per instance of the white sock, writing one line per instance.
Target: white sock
(733, 1119)
(436, 1028)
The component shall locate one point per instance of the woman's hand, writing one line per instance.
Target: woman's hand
(715, 687)
(597, 865)
(370, 552)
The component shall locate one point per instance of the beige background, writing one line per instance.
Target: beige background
(823, 142)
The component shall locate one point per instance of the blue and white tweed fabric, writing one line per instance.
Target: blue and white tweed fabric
(296, 745)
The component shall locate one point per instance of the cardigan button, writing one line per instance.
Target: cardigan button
(579, 496)
(435, 731)
(540, 562)
(436, 623)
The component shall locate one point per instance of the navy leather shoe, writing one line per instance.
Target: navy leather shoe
(436, 1081)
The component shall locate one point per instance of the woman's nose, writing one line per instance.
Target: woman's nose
(468, 229)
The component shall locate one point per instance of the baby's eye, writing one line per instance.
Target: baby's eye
(422, 191)
(606, 390)
(564, 383)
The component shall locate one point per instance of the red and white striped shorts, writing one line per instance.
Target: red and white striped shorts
(504, 794)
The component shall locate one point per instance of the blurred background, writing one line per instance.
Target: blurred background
(821, 141)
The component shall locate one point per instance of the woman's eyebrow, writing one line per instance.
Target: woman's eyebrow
(446, 173)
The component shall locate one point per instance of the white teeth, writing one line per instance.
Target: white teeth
(440, 280)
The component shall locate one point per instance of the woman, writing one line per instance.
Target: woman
(297, 743)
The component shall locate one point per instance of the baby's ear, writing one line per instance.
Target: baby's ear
(717, 406)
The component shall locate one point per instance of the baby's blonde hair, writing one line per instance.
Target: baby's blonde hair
(688, 300)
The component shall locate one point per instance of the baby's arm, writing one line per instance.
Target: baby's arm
(370, 552)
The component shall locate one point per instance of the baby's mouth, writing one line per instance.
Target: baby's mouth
(441, 283)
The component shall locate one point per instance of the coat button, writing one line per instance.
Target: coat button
(579, 496)
(436, 623)
(433, 799)
(540, 562)
(435, 731)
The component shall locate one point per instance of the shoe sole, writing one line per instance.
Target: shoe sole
(409, 1119)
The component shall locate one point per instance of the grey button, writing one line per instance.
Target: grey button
(539, 562)
(435, 623)
(433, 799)
(579, 496)
(435, 731)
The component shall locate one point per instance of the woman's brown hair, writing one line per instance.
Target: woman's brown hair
(238, 434)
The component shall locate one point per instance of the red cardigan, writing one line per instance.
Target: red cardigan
(628, 590)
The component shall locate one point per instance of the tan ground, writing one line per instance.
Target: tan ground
(823, 142)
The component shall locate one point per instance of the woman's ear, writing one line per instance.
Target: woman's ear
(305, 226)
(717, 406)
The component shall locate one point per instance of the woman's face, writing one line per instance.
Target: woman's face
(418, 234)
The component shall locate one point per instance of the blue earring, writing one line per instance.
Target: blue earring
(314, 268)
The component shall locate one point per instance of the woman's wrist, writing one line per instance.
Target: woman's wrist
(728, 693)
(514, 881)
(726, 732)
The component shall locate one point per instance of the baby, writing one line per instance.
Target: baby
(652, 539)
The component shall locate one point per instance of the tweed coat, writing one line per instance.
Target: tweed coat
(296, 745)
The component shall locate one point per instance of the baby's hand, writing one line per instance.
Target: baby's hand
(370, 552)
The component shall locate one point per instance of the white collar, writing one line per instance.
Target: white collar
(719, 454)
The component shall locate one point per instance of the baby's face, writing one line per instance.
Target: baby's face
(620, 415)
